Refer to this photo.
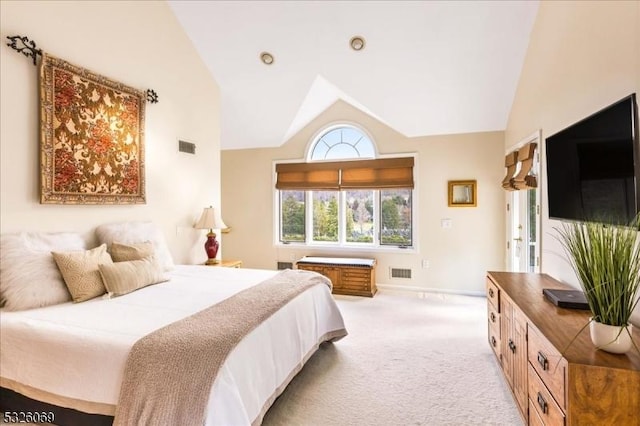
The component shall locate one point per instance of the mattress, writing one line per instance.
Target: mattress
(73, 355)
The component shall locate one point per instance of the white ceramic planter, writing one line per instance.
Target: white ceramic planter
(611, 338)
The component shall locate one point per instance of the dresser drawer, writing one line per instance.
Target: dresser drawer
(355, 278)
(494, 341)
(493, 294)
(534, 417)
(357, 272)
(350, 285)
(549, 365)
(493, 317)
(543, 404)
(319, 269)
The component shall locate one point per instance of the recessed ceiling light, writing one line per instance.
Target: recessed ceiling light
(266, 58)
(357, 43)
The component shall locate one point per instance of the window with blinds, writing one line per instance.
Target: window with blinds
(339, 175)
(342, 196)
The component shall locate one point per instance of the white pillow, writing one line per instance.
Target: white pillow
(29, 277)
(137, 232)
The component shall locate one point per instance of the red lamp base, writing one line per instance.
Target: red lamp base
(211, 247)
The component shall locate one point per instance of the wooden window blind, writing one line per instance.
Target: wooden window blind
(382, 173)
(526, 156)
(306, 176)
(511, 163)
(377, 174)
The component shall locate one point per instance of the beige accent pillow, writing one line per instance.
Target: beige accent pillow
(124, 277)
(80, 271)
(124, 252)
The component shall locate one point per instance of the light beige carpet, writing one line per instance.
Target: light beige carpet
(406, 361)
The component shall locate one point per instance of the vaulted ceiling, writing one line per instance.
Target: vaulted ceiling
(427, 68)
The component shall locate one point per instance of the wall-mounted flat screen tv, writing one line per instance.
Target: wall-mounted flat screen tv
(593, 167)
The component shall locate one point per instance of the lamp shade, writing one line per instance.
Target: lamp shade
(210, 219)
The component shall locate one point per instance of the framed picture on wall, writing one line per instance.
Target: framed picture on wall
(92, 137)
(462, 193)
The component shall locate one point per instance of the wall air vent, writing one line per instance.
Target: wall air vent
(400, 273)
(284, 265)
(188, 147)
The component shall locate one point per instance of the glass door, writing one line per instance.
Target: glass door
(523, 222)
(523, 245)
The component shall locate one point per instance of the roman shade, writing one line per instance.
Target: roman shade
(511, 163)
(304, 176)
(383, 173)
(523, 180)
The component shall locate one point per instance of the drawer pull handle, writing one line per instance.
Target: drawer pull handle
(493, 341)
(512, 346)
(542, 360)
(542, 403)
(493, 317)
(490, 292)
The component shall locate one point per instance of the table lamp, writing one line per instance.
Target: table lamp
(211, 219)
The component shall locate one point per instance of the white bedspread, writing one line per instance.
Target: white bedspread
(78, 351)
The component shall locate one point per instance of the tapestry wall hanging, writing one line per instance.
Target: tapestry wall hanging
(92, 137)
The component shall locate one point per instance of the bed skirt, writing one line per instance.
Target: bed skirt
(11, 401)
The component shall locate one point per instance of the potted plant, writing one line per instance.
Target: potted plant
(606, 259)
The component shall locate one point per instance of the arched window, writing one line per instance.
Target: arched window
(329, 203)
(341, 143)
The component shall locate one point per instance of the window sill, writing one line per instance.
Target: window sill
(344, 248)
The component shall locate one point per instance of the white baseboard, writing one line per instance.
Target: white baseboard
(416, 289)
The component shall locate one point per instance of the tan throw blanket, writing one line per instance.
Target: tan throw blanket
(169, 373)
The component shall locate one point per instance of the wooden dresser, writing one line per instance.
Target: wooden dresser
(355, 277)
(553, 369)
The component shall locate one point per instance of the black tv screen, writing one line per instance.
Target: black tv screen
(593, 167)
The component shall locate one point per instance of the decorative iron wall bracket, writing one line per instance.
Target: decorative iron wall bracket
(22, 44)
(152, 96)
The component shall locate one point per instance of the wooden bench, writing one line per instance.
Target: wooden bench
(351, 276)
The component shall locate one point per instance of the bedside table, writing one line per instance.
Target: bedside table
(228, 263)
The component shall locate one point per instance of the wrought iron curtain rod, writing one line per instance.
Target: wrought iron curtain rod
(22, 44)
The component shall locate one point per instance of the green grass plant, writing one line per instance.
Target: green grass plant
(606, 259)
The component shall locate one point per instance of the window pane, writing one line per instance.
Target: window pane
(342, 142)
(532, 206)
(395, 223)
(359, 211)
(340, 151)
(325, 215)
(292, 226)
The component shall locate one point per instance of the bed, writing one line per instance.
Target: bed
(74, 354)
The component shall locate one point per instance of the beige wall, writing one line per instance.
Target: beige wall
(138, 43)
(458, 256)
(583, 56)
